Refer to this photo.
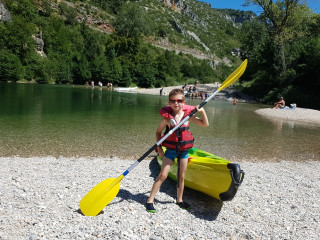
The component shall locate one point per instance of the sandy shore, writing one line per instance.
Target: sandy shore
(39, 199)
(225, 95)
(298, 114)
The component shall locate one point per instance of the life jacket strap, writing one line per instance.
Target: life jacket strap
(181, 142)
(178, 169)
(183, 129)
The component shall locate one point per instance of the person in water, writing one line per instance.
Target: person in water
(234, 101)
(177, 144)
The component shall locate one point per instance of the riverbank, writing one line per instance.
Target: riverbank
(227, 94)
(39, 199)
(289, 114)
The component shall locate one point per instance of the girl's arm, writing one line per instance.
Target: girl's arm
(203, 121)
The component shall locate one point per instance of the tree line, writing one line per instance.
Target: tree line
(76, 53)
(282, 46)
(283, 50)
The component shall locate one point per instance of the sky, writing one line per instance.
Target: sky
(237, 4)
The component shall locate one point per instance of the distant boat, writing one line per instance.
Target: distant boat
(126, 89)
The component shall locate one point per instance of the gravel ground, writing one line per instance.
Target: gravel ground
(39, 199)
(298, 114)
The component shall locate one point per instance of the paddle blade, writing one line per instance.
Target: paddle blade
(234, 76)
(100, 196)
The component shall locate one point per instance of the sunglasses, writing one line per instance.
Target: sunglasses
(176, 100)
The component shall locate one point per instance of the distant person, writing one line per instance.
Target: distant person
(92, 84)
(234, 101)
(202, 95)
(161, 91)
(189, 89)
(280, 104)
(184, 86)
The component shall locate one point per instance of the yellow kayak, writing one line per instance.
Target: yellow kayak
(210, 174)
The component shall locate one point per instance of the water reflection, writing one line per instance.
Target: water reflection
(278, 123)
(80, 121)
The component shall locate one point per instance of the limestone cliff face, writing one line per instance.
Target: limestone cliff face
(39, 43)
(4, 14)
(175, 5)
(240, 19)
(180, 6)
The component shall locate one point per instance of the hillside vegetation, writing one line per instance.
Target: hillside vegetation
(157, 43)
(146, 43)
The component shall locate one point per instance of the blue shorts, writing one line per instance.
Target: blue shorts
(172, 154)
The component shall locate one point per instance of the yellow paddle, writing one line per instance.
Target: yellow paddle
(103, 193)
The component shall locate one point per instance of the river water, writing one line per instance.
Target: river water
(78, 121)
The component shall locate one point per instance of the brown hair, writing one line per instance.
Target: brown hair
(176, 91)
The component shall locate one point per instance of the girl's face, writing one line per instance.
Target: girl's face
(176, 102)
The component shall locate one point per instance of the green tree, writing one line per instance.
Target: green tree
(257, 46)
(276, 46)
(82, 71)
(10, 66)
(115, 73)
(205, 72)
(40, 71)
(69, 12)
(126, 78)
(145, 70)
(23, 8)
(131, 21)
(113, 5)
(284, 19)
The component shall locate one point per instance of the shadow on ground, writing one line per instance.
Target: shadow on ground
(203, 206)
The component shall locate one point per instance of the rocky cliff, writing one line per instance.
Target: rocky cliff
(4, 14)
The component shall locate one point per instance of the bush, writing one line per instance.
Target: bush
(10, 66)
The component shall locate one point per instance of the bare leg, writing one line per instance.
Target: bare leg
(165, 168)
(183, 168)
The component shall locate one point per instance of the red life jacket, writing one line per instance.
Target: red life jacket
(182, 138)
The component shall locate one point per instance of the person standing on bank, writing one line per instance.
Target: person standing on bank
(177, 144)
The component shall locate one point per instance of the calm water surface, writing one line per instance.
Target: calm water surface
(41, 120)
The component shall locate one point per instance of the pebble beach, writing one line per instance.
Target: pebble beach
(40, 200)
(278, 199)
(289, 114)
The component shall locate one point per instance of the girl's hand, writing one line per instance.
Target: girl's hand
(203, 121)
(160, 151)
(199, 110)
